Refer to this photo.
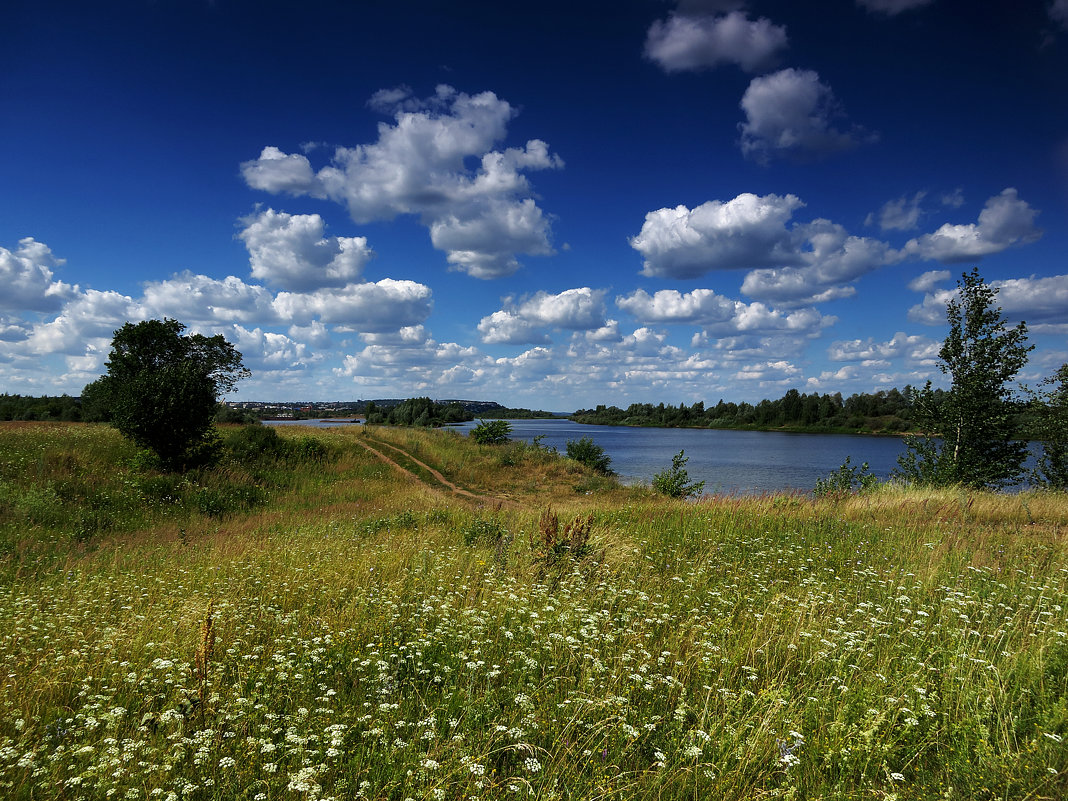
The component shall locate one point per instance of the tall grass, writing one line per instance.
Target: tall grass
(356, 636)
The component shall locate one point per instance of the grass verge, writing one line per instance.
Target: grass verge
(355, 635)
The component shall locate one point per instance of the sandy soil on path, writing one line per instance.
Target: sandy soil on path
(483, 500)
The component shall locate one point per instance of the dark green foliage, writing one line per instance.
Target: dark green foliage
(419, 412)
(847, 480)
(255, 443)
(483, 531)
(491, 432)
(25, 407)
(308, 450)
(218, 502)
(454, 413)
(372, 416)
(675, 482)
(260, 445)
(979, 445)
(162, 389)
(589, 453)
(228, 414)
(883, 411)
(1052, 429)
(505, 413)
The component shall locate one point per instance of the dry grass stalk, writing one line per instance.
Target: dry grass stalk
(551, 545)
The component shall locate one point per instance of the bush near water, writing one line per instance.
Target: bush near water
(328, 629)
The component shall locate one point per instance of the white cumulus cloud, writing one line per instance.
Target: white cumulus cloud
(580, 309)
(1005, 221)
(927, 281)
(757, 318)
(485, 246)
(482, 218)
(800, 264)
(700, 307)
(508, 327)
(869, 350)
(832, 259)
(387, 305)
(86, 323)
(267, 350)
(718, 316)
(291, 251)
(28, 281)
(1042, 302)
(769, 372)
(194, 298)
(746, 232)
(694, 42)
(275, 171)
(791, 113)
(902, 214)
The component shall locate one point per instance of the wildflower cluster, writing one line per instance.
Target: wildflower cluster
(716, 652)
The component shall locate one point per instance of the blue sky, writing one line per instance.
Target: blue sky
(553, 205)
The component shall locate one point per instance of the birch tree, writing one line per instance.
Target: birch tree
(971, 434)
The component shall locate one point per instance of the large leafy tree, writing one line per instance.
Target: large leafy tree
(979, 444)
(162, 388)
(1052, 428)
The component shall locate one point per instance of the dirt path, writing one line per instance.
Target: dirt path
(484, 500)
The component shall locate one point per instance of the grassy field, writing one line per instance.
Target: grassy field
(307, 621)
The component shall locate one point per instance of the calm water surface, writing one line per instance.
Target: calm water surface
(729, 462)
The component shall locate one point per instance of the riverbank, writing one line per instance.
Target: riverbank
(729, 462)
(781, 429)
(359, 629)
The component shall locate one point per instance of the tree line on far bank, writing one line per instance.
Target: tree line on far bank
(889, 411)
(27, 407)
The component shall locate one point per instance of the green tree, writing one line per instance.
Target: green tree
(676, 482)
(1052, 429)
(162, 389)
(372, 416)
(491, 432)
(589, 453)
(454, 413)
(976, 417)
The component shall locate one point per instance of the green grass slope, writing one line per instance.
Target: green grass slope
(329, 627)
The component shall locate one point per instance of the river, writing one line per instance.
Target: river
(729, 462)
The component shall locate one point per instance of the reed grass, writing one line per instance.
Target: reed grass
(356, 635)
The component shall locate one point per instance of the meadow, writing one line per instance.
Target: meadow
(306, 621)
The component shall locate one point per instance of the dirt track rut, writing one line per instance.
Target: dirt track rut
(485, 500)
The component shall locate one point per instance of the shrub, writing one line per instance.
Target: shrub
(491, 432)
(847, 480)
(587, 452)
(675, 482)
(481, 531)
(250, 444)
(307, 449)
(222, 501)
(261, 445)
